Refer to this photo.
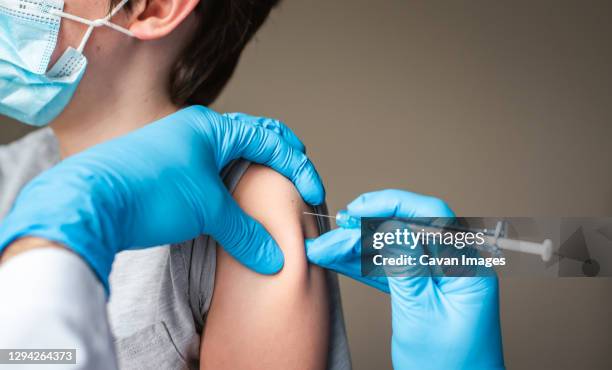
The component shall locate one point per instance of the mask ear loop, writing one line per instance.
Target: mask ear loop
(95, 23)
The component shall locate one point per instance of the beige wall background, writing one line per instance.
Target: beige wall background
(502, 108)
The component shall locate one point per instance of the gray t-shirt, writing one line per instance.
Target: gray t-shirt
(159, 296)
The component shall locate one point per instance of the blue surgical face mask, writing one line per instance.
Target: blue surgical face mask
(30, 91)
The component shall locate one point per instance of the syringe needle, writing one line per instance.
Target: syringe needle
(318, 214)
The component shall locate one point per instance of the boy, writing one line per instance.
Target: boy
(183, 52)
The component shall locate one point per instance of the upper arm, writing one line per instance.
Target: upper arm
(269, 322)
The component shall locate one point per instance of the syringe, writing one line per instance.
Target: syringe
(493, 239)
(343, 219)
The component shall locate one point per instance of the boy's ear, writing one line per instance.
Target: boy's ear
(154, 19)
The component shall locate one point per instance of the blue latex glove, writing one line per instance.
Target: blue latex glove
(161, 185)
(438, 323)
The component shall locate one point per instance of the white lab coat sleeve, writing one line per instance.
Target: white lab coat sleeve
(51, 299)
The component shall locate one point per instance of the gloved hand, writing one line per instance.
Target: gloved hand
(438, 322)
(161, 185)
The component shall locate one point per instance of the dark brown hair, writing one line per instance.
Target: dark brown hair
(206, 65)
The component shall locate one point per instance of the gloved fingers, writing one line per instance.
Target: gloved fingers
(340, 250)
(398, 203)
(410, 292)
(272, 125)
(412, 283)
(476, 286)
(244, 238)
(263, 146)
(334, 247)
(401, 252)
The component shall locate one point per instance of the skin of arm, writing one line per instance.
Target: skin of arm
(269, 322)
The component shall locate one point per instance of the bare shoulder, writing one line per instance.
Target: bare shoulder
(272, 199)
(283, 319)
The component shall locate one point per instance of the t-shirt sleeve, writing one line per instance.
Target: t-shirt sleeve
(21, 161)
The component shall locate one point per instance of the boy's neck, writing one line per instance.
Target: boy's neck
(85, 124)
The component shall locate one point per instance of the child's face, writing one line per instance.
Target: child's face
(104, 48)
(117, 63)
(105, 61)
(72, 32)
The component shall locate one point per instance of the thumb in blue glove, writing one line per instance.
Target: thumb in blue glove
(160, 185)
